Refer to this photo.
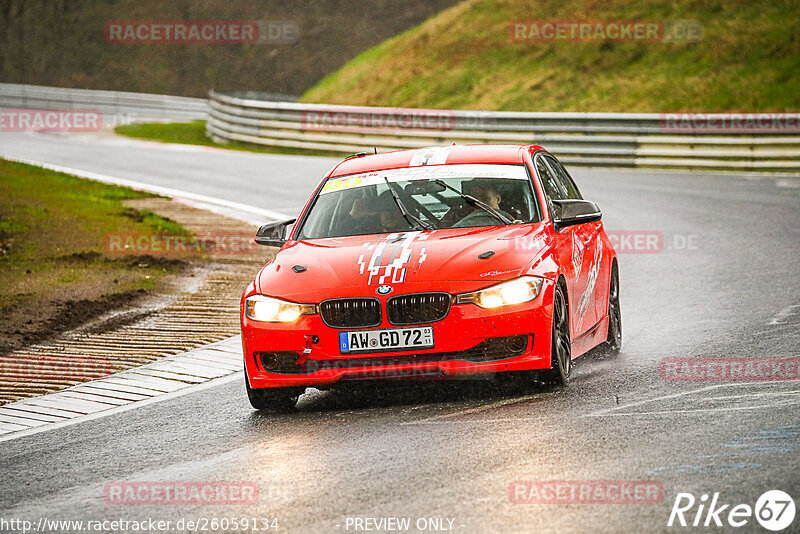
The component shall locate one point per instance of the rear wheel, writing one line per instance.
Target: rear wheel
(614, 342)
(272, 399)
(560, 345)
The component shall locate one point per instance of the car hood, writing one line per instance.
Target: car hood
(446, 259)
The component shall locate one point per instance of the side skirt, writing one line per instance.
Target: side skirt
(591, 338)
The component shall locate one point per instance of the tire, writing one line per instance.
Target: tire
(560, 344)
(614, 339)
(272, 399)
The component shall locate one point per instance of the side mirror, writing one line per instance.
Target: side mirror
(571, 212)
(274, 234)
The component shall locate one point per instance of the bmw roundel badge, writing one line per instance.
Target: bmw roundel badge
(384, 290)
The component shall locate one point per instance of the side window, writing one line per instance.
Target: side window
(549, 181)
(564, 179)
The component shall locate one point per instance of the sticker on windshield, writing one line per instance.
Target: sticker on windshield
(443, 172)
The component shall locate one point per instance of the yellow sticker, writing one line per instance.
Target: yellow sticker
(342, 183)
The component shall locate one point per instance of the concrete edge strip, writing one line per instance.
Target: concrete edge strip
(27, 416)
(220, 206)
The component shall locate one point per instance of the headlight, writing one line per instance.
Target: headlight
(516, 291)
(271, 310)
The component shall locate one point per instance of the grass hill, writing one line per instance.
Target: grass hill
(464, 58)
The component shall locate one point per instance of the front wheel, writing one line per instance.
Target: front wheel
(560, 344)
(272, 399)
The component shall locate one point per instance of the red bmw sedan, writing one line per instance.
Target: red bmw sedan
(437, 263)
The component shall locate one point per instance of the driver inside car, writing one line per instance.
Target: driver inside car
(485, 191)
(385, 207)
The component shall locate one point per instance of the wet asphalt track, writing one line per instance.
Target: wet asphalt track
(451, 451)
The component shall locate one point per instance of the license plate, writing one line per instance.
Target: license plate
(420, 337)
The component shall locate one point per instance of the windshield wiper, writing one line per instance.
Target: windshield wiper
(476, 202)
(407, 214)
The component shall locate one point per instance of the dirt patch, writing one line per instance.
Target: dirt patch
(146, 260)
(82, 256)
(24, 324)
(58, 317)
(118, 320)
(141, 260)
(132, 214)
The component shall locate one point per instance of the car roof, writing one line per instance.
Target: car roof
(452, 154)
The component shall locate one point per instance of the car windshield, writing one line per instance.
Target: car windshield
(421, 198)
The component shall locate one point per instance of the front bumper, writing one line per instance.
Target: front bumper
(469, 341)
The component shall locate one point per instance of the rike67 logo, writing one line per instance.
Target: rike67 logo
(774, 510)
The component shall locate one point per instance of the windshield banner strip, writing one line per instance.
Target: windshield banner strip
(513, 172)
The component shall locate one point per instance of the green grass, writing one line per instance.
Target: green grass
(463, 58)
(188, 133)
(194, 133)
(52, 232)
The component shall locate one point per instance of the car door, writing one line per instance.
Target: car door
(585, 238)
(568, 245)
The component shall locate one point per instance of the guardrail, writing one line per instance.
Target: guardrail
(607, 139)
(126, 107)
